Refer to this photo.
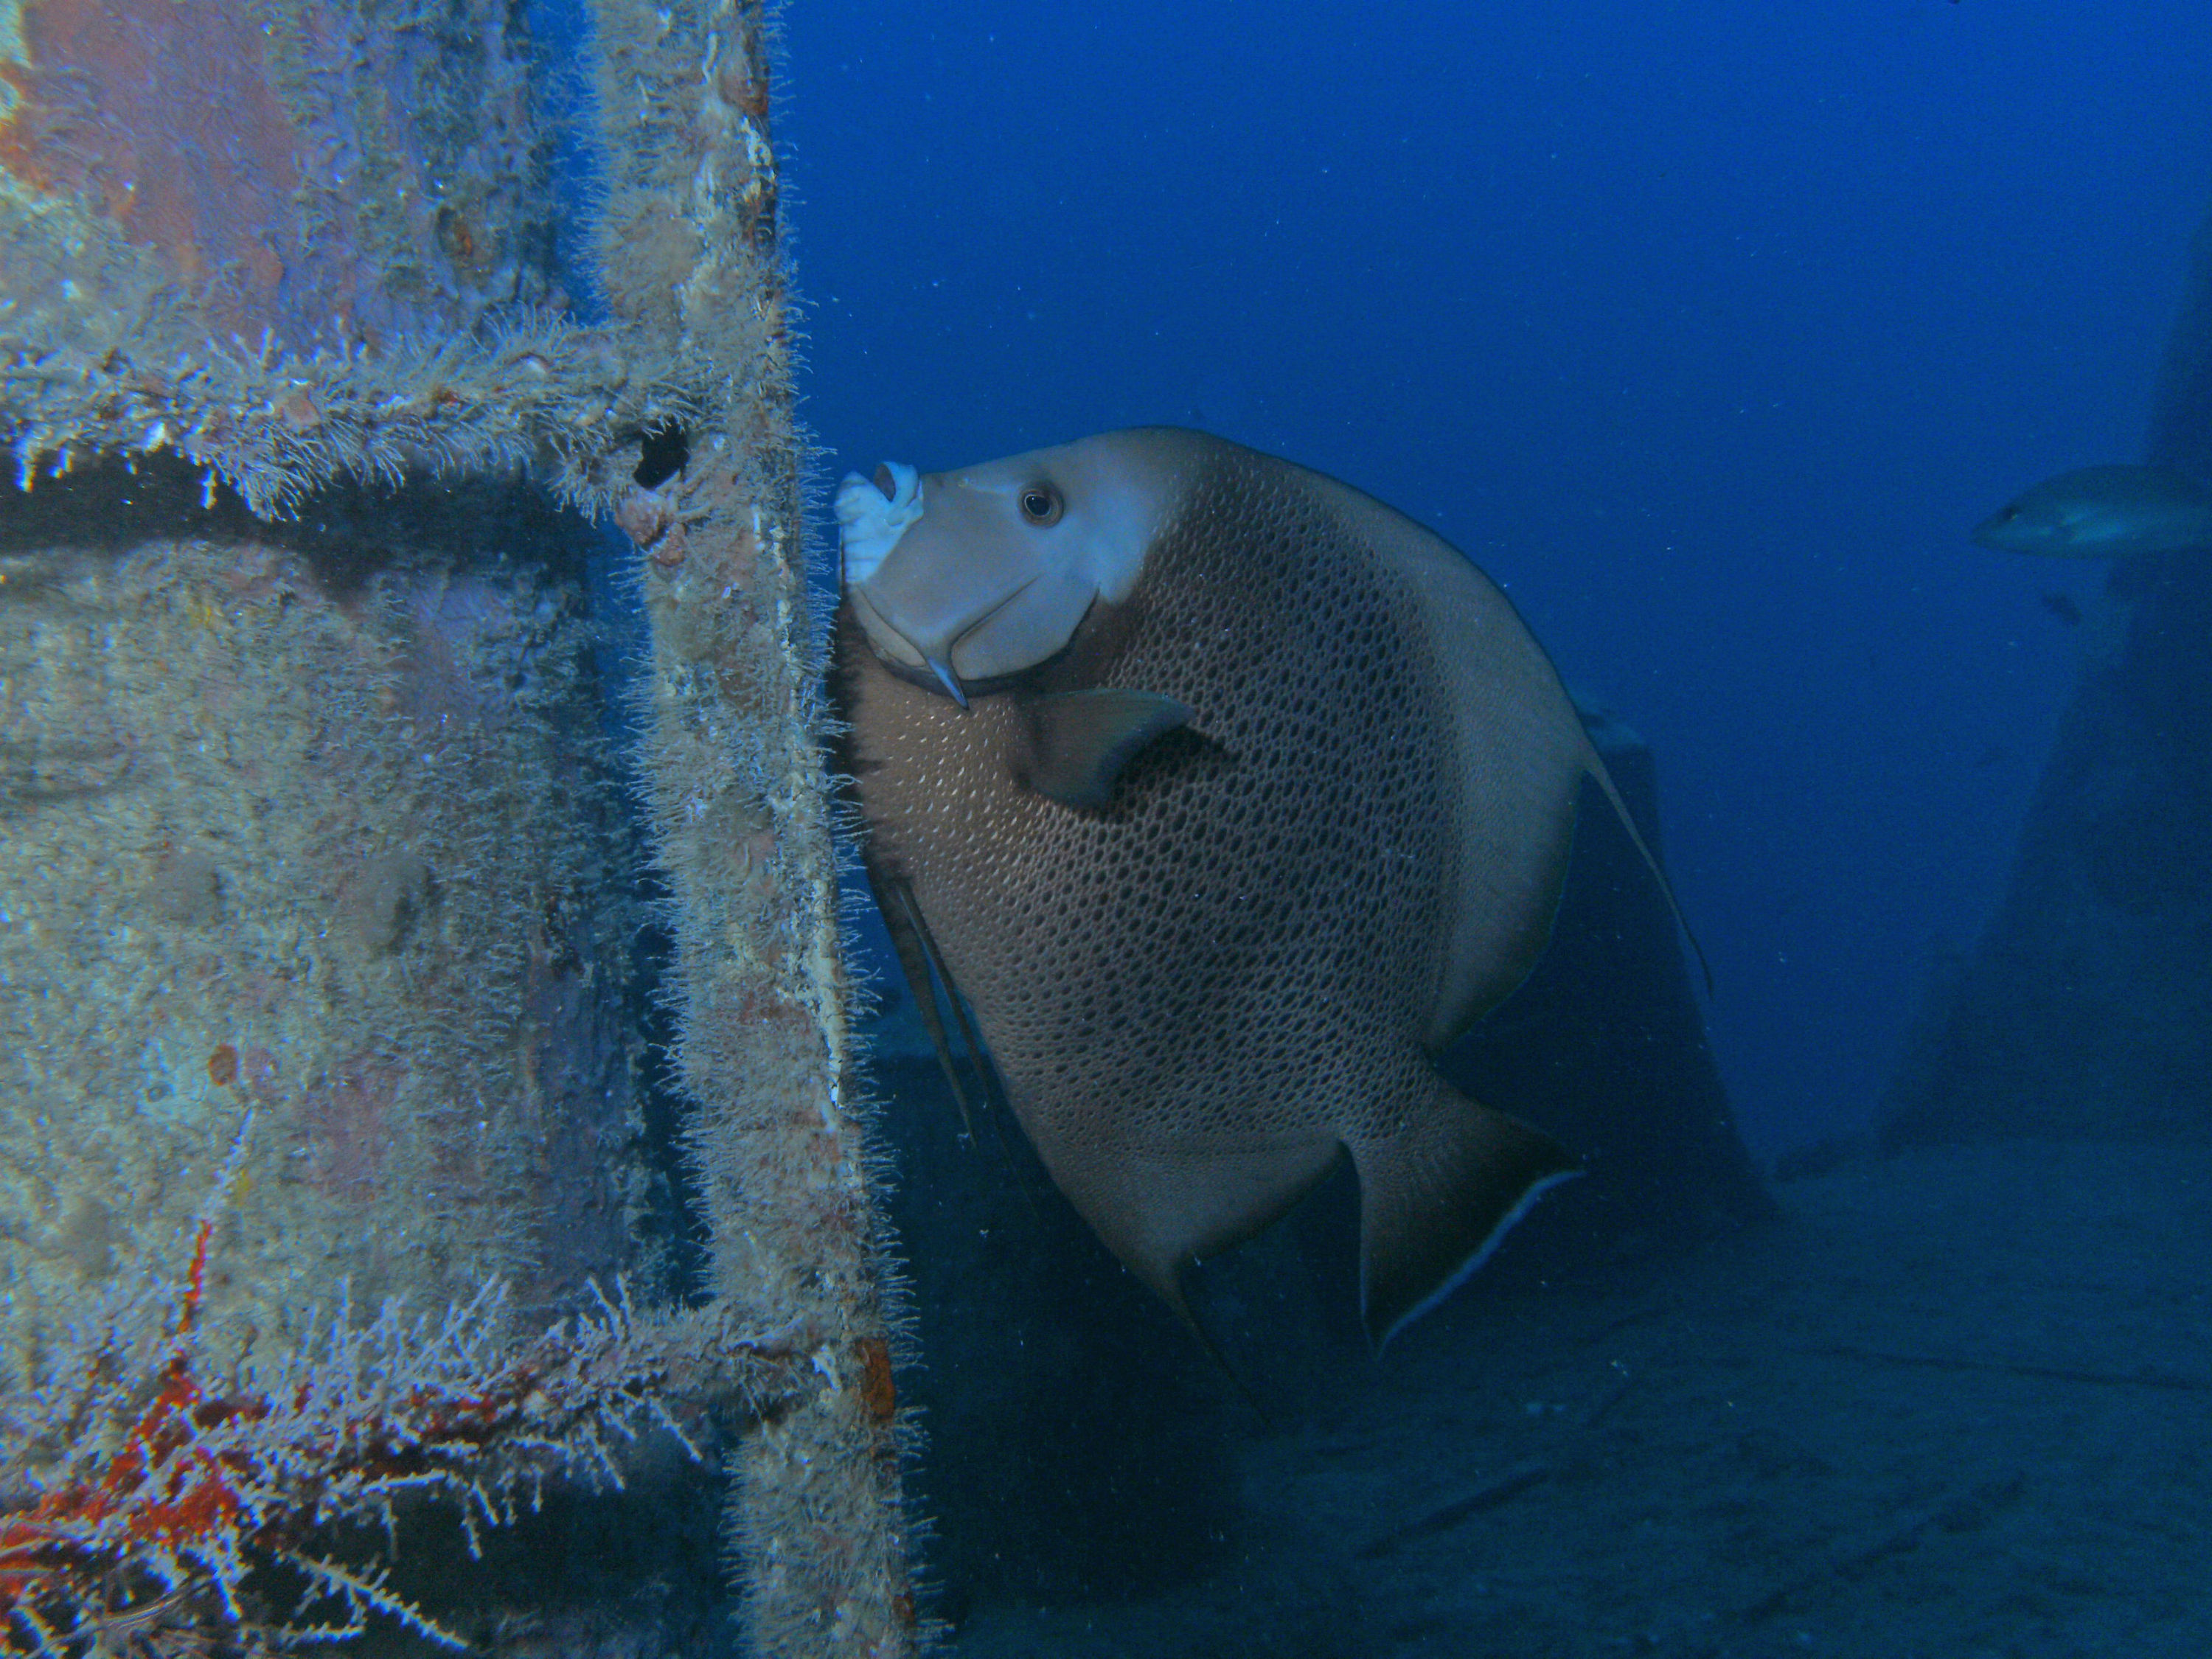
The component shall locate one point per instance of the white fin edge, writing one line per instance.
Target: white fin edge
(1468, 1269)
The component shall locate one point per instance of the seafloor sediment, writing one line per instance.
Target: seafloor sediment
(1951, 1404)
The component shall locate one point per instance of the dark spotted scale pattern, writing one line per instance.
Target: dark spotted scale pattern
(1235, 960)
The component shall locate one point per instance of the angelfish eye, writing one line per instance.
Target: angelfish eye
(1041, 504)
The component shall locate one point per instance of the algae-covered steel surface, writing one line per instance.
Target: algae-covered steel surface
(738, 805)
(324, 846)
(320, 966)
(296, 241)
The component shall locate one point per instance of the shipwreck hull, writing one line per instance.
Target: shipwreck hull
(2085, 1011)
(419, 889)
(314, 856)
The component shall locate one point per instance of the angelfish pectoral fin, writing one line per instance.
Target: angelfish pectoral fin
(1075, 744)
(1436, 1196)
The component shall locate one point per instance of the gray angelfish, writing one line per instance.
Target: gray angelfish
(2104, 512)
(1226, 796)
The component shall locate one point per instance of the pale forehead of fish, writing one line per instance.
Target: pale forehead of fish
(989, 570)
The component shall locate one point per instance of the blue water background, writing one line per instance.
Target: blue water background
(1709, 331)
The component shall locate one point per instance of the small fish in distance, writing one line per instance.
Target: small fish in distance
(2102, 513)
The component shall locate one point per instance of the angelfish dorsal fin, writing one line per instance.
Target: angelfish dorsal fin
(1603, 779)
(1074, 744)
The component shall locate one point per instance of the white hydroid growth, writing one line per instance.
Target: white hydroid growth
(149, 1507)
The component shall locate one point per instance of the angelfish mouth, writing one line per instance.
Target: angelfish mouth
(945, 678)
(872, 514)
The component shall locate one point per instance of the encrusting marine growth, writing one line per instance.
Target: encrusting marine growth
(317, 728)
(151, 1506)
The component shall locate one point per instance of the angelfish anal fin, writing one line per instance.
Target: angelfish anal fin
(1073, 744)
(1435, 1198)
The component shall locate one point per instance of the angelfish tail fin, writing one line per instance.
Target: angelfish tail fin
(1603, 779)
(1436, 1197)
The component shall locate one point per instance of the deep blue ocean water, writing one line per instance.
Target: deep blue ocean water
(1708, 331)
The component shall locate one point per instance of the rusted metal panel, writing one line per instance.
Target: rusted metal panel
(331, 174)
(297, 243)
